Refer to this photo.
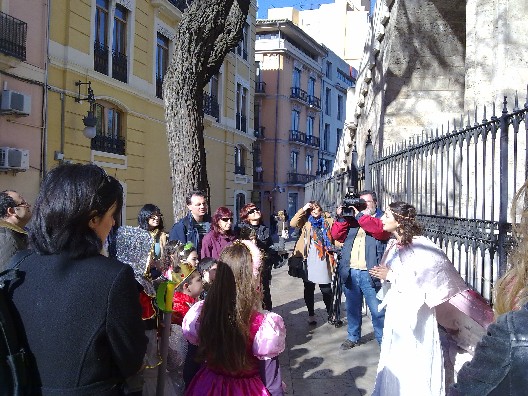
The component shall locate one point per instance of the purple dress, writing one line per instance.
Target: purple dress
(267, 340)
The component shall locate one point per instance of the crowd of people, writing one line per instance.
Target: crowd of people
(98, 291)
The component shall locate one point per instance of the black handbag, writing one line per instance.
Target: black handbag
(297, 267)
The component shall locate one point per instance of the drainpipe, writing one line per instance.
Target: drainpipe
(276, 125)
(44, 161)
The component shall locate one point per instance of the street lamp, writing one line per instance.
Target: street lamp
(89, 121)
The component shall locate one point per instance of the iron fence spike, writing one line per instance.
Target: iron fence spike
(484, 119)
(505, 105)
(526, 103)
(516, 101)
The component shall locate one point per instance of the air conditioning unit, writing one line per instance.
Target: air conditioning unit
(14, 159)
(13, 102)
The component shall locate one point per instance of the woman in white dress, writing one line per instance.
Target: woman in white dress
(422, 280)
(315, 245)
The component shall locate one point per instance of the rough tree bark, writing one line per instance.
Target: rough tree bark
(206, 33)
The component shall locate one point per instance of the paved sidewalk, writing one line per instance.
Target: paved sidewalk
(312, 363)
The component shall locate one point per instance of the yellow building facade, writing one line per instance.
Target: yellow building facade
(107, 59)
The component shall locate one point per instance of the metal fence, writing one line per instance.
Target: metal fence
(461, 180)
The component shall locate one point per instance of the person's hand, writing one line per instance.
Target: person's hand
(379, 271)
(307, 206)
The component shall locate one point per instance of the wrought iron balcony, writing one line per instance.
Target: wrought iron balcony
(259, 132)
(13, 34)
(119, 66)
(260, 87)
(211, 106)
(108, 144)
(240, 170)
(314, 101)
(312, 140)
(298, 93)
(182, 5)
(100, 58)
(299, 178)
(296, 136)
(159, 86)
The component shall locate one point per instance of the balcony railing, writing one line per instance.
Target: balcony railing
(298, 137)
(119, 66)
(13, 33)
(100, 58)
(312, 140)
(159, 86)
(211, 107)
(299, 178)
(181, 4)
(259, 132)
(108, 144)
(260, 87)
(240, 170)
(314, 101)
(298, 93)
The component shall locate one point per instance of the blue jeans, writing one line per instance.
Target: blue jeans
(357, 286)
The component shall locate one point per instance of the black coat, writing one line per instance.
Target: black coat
(499, 366)
(82, 320)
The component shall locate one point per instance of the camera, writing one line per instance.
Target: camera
(352, 200)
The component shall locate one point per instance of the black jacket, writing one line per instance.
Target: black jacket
(82, 320)
(500, 364)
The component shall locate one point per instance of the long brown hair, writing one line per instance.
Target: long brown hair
(405, 215)
(511, 290)
(226, 316)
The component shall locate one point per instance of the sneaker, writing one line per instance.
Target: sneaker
(348, 345)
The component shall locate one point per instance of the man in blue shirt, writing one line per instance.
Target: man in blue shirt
(195, 224)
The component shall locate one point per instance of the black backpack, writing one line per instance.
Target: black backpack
(15, 360)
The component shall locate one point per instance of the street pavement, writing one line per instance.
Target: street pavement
(312, 363)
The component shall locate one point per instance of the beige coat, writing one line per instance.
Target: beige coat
(300, 220)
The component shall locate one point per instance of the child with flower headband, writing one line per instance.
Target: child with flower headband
(237, 343)
(175, 252)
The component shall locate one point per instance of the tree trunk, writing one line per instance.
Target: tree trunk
(207, 31)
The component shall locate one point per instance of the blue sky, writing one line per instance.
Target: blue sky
(299, 4)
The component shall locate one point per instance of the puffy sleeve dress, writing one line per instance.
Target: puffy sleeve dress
(411, 360)
(267, 341)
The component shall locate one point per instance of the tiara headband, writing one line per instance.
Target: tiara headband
(402, 216)
(256, 256)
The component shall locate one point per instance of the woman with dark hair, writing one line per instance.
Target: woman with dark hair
(151, 220)
(220, 235)
(422, 281)
(251, 219)
(80, 310)
(237, 344)
(315, 245)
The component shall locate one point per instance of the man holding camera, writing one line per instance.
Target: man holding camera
(364, 243)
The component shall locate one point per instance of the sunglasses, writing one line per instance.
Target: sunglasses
(226, 219)
(23, 204)
(155, 216)
(253, 210)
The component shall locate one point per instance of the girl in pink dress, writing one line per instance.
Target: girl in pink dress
(237, 343)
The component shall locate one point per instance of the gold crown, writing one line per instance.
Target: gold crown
(181, 272)
(165, 290)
